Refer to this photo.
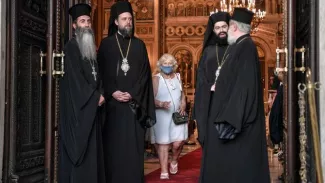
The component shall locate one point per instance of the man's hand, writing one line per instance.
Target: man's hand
(101, 100)
(122, 96)
(128, 95)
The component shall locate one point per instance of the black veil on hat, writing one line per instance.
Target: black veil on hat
(117, 9)
(78, 10)
(243, 15)
(210, 38)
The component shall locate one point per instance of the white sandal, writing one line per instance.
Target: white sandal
(173, 169)
(164, 176)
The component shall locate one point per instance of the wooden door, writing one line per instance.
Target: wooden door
(300, 40)
(32, 90)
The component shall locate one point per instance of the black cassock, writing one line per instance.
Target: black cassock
(238, 101)
(206, 74)
(124, 128)
(276, 117)
(81, 156)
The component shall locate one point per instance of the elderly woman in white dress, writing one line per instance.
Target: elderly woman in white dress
(169, 98)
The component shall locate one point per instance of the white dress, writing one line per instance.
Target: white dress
(165, 131)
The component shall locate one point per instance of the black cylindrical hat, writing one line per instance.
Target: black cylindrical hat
(243, 15)
(78, 10)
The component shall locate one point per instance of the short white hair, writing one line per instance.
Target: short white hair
(245, 28)
(167, 57)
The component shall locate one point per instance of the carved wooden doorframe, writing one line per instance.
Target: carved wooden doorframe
(300, 23)
(31, 114)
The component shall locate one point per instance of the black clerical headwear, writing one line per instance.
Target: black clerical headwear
(242, 15)
(117, 9)
(78, 10)
(210, 38)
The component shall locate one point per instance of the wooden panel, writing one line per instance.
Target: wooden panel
(25, 139)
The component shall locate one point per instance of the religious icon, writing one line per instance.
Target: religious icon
(171, 10)
(180, 9)
(184, 61)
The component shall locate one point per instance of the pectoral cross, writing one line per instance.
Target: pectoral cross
(218, 72)
(94, 72)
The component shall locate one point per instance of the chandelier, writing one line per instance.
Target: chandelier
(249, 4)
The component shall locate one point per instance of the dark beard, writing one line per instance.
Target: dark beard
(126, 32)
(222, 40)
(86, 43)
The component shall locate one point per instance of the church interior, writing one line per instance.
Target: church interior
(177, 27)
(287, 34)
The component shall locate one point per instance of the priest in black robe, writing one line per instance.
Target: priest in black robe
(81, 156)
(235, 148)
(126, 73)
(215, 52)
(276, 115)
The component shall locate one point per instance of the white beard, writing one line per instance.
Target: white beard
(231, 39)
(86, 43)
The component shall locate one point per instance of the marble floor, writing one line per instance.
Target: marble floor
(152, 163)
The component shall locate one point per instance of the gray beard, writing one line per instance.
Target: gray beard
(86, 43)
(126, 32)
(231, 39)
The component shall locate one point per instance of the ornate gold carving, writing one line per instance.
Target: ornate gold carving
(199, 30)
(189, 31)
(144, 30)
(180, 31)
(145, 10)
(170, 31)
(177, 8)
(185, 31)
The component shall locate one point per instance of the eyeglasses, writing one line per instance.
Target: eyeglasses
(216, 28)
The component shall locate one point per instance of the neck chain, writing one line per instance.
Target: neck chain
(125, 65)
(169, 79)
(94, 73)
(222, 61)
(223, 58)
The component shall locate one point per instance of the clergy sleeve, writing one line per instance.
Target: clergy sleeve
(142, 92)
(81, 90)
(106, 73)
(201, 98)
(201, 70)
(79, 103)
(241, 107)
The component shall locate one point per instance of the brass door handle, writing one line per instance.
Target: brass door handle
(42, 72)
(56, 72)
(301, 50)
(278, 51)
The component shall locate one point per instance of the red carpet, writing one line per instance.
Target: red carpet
(188, 170)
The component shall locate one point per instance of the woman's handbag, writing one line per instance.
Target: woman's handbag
(179, 119)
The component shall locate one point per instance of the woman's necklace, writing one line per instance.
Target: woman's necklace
(170, 81)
